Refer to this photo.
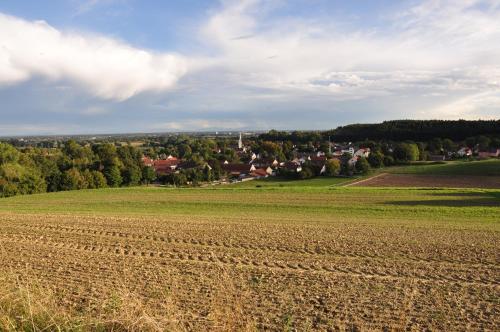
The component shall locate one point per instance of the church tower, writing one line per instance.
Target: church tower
(240, 143)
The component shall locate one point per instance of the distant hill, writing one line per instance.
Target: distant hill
(417, 130)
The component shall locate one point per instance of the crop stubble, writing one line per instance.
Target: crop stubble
(245, 272)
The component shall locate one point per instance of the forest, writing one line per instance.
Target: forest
(417, 130)
(396, 130)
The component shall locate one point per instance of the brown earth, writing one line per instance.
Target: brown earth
(206, 273)
(431, 181)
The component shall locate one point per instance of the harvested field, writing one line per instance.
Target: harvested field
(431, 181)
(265, 259)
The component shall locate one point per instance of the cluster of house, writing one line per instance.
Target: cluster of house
(468, 152)
(260, 167)
(163, 165)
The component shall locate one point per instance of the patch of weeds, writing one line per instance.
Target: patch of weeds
(113, 304)
(255, 280)
(288, 322)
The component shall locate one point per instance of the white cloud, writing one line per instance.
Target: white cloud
(440, 58)
(436, 47)
(106, 67)
(481, 105)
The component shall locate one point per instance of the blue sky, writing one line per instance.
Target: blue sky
(104, 66)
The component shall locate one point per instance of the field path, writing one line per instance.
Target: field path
(363, 180)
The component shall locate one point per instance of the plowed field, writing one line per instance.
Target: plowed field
(256, 259)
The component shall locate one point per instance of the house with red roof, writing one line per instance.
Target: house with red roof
(238, 169)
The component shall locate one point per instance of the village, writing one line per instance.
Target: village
(338, 160)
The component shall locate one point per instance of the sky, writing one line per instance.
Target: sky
(120, 66)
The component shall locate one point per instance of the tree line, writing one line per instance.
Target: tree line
(35, 170)
(396, 130)
(417, 130)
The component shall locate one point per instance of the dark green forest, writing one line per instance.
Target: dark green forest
(416, 130)
(396, 130)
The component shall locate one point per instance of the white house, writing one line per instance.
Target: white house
(365, 152)
(464, 152)
(348, 150)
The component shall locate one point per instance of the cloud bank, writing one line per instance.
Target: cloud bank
(437, 48)
(106, 67)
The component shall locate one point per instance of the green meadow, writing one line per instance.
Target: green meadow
(315, 200)
(489, 167)
(315, 204)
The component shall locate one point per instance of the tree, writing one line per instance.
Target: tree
(107, 155)
(287, 148)
(194, 175)
(345, 165)
(77, 155)
(422, 154)
(449, 145)
(185, 150)
(99, 180)
(362, 166)
(131, 175)
(49, 169)
(435, 146)
(94, 179)
(8, 154)
(470, 142)
(207, 174)
(217, 171)
(324, 147)
(113, 176)
(483, 142)
(89, 178)
(370, 144)
(400, 130)
(306, 173)
(148, 175)
(376, 159)
(8, 188)
(332, 167)
(406, 152)
(495, 143)
(388, 160)
(271, 149)
(176, 179)
(19, 179)
(72, 179)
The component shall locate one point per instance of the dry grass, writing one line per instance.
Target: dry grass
(34, 306)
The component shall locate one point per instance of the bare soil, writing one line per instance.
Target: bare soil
(431, 181)
(225, 274)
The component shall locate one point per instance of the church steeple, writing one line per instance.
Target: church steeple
(240, 143)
